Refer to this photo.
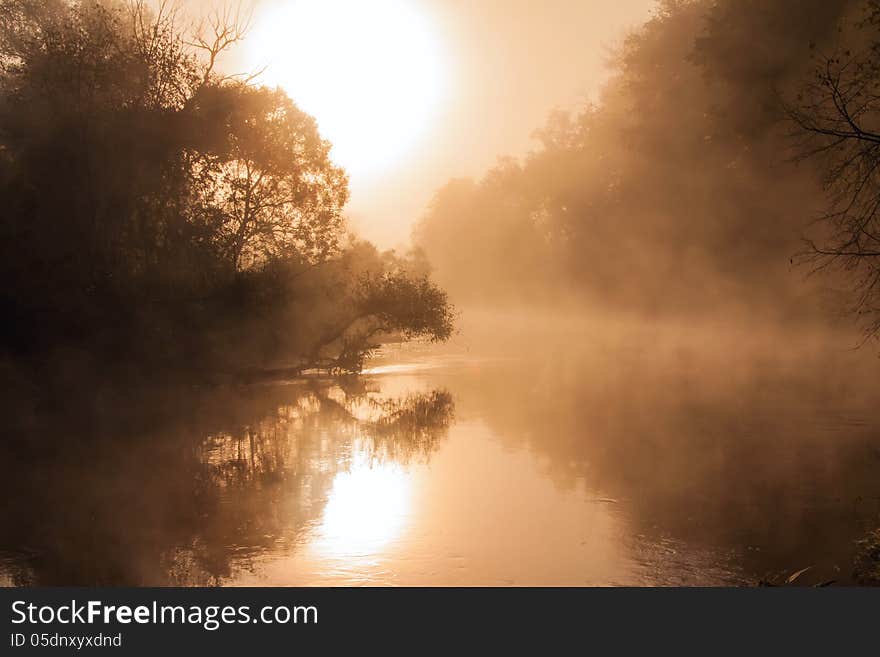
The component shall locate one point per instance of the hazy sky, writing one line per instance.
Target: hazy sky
(462, 82)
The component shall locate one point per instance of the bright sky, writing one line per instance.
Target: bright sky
(415, 92)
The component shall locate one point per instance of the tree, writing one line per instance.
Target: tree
(391, 302)
(673, 194)
(273, 189)
(837, 120)
(356, 299)
(157, 210)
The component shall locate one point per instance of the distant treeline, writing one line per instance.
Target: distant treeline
(159, 215)
(695, 182)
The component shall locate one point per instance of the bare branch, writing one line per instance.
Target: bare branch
(220, 31)
(837, 124)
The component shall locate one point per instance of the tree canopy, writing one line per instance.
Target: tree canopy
(679, 191)
(154, 208)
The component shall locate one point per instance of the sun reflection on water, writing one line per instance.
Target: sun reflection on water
(367, 508)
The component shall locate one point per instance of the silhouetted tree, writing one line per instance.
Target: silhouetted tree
(837, 116)
(674, 193)
(157, 210)
(273, 190)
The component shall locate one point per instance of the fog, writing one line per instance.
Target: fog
(497, 58)
(679, 192)
(633, 454)
(627, 334)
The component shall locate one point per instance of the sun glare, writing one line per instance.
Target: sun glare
(367, 508)
(371, 73)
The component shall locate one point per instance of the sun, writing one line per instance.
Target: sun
(371, 72)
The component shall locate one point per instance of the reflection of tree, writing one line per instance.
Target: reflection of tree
(755, 457)
(208, 490)
(412, 425)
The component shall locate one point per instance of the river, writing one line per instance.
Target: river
(567, 459)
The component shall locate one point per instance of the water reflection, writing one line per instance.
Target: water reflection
(728, 459)
(366, 509)
(217, 482)
(634, 462)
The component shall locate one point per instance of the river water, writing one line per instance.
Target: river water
(651, 458)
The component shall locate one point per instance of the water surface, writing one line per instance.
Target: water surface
(618, 462)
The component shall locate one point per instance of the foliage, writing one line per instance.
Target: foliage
(412, 424)
(836, 116)
(158, 212)
(385, 298)
(674, 193)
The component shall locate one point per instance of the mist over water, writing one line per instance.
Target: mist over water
(576, 451)
(642, 354)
